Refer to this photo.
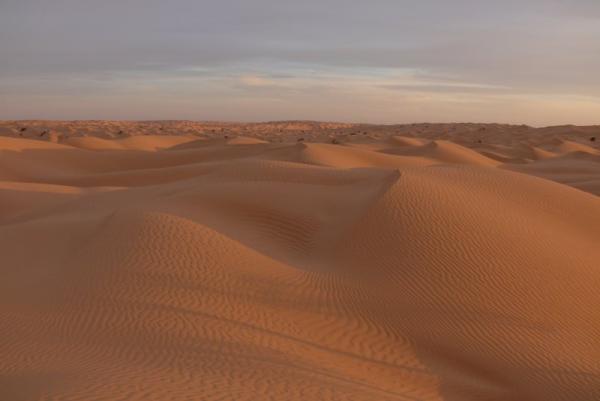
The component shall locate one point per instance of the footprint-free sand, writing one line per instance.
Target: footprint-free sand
(298, 261)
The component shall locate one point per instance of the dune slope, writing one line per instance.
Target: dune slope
(248, 268)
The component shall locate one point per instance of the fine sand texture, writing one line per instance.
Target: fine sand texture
(298, 261)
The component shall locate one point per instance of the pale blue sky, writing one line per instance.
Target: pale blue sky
(532, 62)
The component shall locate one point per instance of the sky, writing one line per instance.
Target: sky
(381, 61)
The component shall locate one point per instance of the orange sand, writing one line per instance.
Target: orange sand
(213, 261)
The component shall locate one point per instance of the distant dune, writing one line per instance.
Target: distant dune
(299, 261)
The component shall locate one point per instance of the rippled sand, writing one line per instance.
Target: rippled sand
(298, 261)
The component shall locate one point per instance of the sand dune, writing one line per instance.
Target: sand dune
(298, 261)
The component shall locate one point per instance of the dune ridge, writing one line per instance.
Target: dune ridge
(299, 261)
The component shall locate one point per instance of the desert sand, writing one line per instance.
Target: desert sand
(299, 261)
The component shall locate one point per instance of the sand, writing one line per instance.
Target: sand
(298, 261)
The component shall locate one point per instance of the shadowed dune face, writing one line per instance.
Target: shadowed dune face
(422, 262)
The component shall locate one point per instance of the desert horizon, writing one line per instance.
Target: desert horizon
(298, 260)
(38, 121)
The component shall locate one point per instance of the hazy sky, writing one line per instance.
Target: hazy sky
(527, 61)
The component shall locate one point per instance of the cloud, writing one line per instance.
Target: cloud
(289, 50)
(448, 88)
(255, 80)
